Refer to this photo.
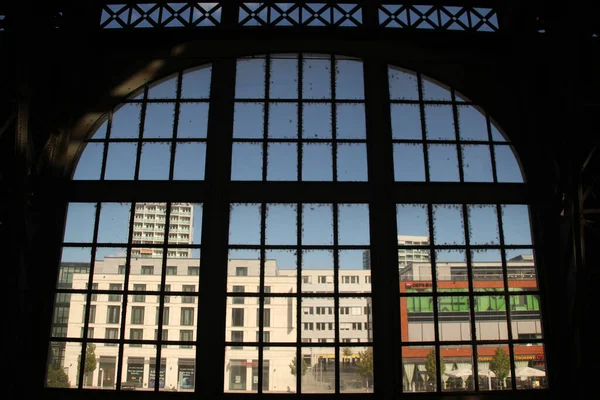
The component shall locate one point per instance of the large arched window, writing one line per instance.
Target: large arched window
(295, 223)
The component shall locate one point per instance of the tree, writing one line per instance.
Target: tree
(90, 360)
(347, 355)
(293, 367)
(500, 364)
(57, 378)
(430, 365)
(364, 364)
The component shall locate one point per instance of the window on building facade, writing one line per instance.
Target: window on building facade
(298, 233)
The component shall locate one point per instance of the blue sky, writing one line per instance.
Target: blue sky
(317, 161)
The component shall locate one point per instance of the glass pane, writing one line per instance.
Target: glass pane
(353, 274)
(448, 225)
(317, 271)
(164, 89)
(472, 122)
(418, 371)
(81, 218)
(354, 314)
(134, 358)
(409, 162)
(247, 161)
(62, 370)
(433, 90)
(457, 363)
(159, 120)
(240, 366)
(193, 120)
(320, 377)
(278, 370)
(316, 79)
(525, 316)
(451, 271)
(281, 225)
(416, 318)
(477, 163)
(403, 84)
(521, 269)
(353, 224)
(490, 317)
(487, 270)
(120, 161)
(349, 80)
(243, 270)
(454, 318)
(155, 161)
(284, 78)
(507, 166)
(282, 162)
(317, 224)
(245, 224)
(317, 162)
(530, 366)
(89, 165)
(189, 161)
(352, 162)
(114, 223)
(443, 163)
(413, 220)
(483, 224)
(406, 121)
(182, 268)
(493, 367)
(100, 133)
(250, 79)
(63, 304)
(183, 374)
(126, 122)
(283, 120)
(497, 136)
(279, 324)
(356, 369)
(281, 271)
(248, 120)
(414, 266)
(109, 268)
(166, 377)
(439, 122)
(316, 121)
(196, 83)
(350, 120)
(515, 224)
(74, 262)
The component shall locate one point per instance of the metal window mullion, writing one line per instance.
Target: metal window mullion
(507, 296)
(459, 154)
(434, 294)
(106, 145)
(261, 298)
(88, 295)
(140, 135)
(300, 119)
(332, 79)
(382, 228)
(423, 127)
(299, 359)
(125, 298)
(216, 210)
(488, 124)
(470, 295)
(266, 107)
(161, 294)
(336, 299)
(175, 126)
